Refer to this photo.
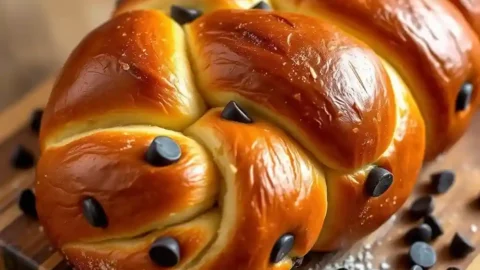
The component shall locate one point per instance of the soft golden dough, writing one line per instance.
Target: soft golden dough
(164, 5)
(109, 165)
(324, 94)
(131, 70)
(429, 44)
(327, 90)
(267, 178)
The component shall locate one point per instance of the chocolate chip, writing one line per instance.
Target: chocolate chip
(281, 248)
(184, 15)
(165, 252)
(233, 112)
(422, 207)
(422, 254)
(378, 181)
(421, 233)
(163, 151)
(416, 267)
(464, 97)
(262, 5)
(22, 158)
(36, 120)
(460, 247)
(442, 181)
(94, 213)
(453, 268)
(433, 222)
(27, 203)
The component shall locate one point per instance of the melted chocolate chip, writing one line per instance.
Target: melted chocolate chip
(94, 213)
(165, 252)
(378, 182)
(184, 15)
(233, 112)
(282, 247)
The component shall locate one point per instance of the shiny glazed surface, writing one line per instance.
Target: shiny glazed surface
(328, 104)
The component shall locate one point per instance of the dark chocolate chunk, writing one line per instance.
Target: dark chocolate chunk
(422, 254)
(464, 97)
(433, 222)
(460, 247)
(262, 5)
(442, 181)
(22, 158)
(27, 203)
(94, 213)
(163, 151)
(233, 112)
(36, 120)
(378, 181)
(281, 248)
(416, 267)
(422, 207)
(165, 252)
(184, 15)
(421, 233)
(453, 268)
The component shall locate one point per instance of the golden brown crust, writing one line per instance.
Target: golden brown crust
(428, 43)
(329, 91)
(205, 6)
(110, 166)
(351, 213)
(326, 109)
(267, 177)
(132, 254)
(133, 69)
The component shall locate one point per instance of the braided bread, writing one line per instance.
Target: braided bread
(222, 134)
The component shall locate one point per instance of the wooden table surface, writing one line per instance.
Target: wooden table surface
(24, 246)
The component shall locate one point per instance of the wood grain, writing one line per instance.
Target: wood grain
(24, 246)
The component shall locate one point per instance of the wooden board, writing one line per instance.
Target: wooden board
(24, 246)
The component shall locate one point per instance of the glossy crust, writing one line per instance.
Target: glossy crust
(205, 6)
(131, 70)
(351, 213)
(327, 90)
(428, 42)
(267, 177)
(110, 166)
(132, 254)
(328, 104)
(471, 10)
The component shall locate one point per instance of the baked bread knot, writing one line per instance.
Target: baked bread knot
(222, 134)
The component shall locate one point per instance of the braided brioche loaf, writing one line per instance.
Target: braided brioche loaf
(210, 135)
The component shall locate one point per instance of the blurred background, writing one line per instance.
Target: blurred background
(36, 37)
